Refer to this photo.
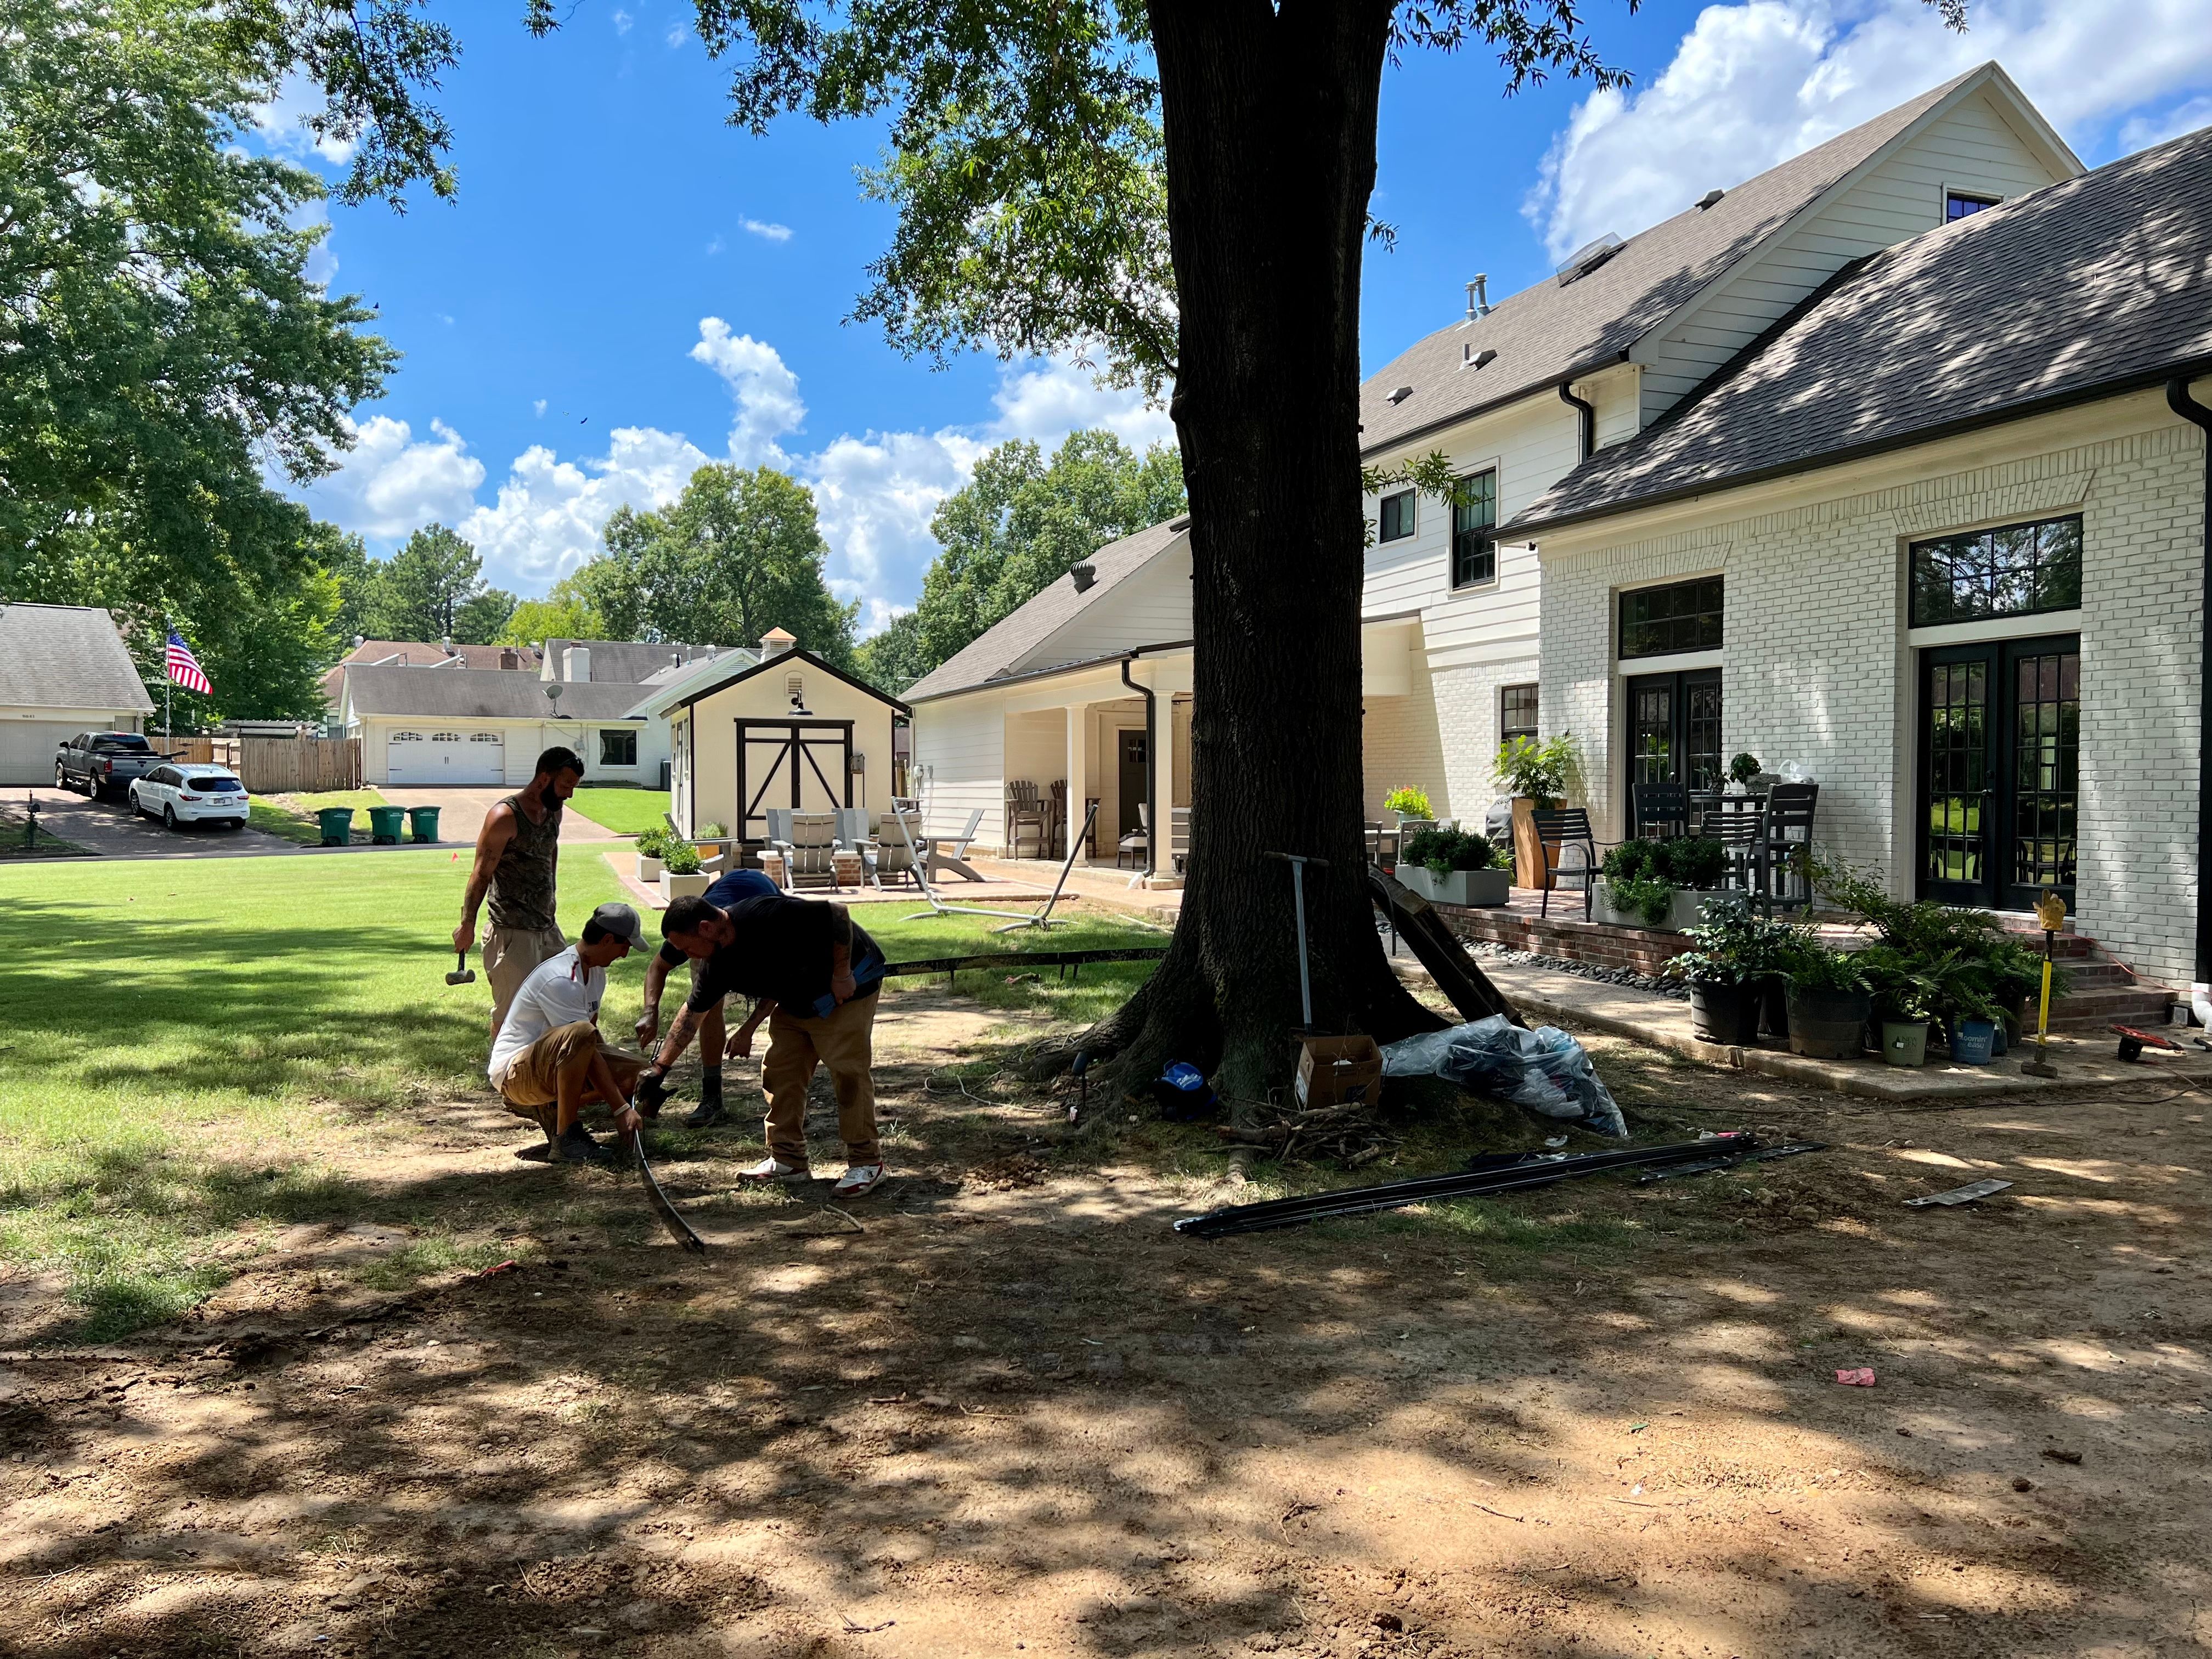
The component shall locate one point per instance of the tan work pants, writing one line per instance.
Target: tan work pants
(845, 1043)
(509, 954)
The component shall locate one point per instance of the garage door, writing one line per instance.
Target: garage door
(434, 756)
(27, 750)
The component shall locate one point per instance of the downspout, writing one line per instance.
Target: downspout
(1152, 828)
(1586, 421)
(2179, 401)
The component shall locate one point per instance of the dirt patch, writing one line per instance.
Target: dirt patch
(1007, 1409)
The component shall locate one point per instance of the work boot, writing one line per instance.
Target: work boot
(709, 1111)
(576, 1145)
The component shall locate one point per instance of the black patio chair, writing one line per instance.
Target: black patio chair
(1740, 829)
(1559, 831)
(1788, 844)
(1662, 806)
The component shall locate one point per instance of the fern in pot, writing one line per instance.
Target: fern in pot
(1454, 866)
(1827, 1000)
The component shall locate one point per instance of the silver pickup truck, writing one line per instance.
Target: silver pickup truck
(104, 763)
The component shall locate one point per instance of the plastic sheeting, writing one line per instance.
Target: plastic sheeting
(1544, 1070)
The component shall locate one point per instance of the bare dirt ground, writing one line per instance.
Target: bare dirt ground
(1004, 1409)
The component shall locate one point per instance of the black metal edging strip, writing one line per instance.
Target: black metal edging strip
(1029, 959)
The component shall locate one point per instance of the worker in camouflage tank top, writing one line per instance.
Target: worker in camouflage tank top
(518, 850)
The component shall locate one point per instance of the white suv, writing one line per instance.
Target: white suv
(190, 794)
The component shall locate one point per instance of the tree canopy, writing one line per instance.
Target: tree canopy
(1018, 526)
(431, 589)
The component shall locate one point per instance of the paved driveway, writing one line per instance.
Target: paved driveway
(461, 813)
(111, 828)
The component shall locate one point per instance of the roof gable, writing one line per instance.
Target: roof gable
(66, 656)
(668, 700)
(1547, 333)
(2076, 290)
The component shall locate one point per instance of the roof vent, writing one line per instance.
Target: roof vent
(775, 642)
(1085, 575)
(1401, 395)
(1588, 258)
(1478, 297)
(1709, 198)
(1470, 358)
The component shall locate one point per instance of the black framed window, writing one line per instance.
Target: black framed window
(1474, 516)
(1398, 516)
(1957, 204)
(618, 746)
(2017, 570)
(1655, 622)
(1516, 712)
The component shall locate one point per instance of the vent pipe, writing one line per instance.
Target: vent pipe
(1478, 297)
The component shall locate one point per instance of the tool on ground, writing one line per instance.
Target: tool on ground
(2134, 1042)
(950, 966)
(1438, 950)
(2050, 911)
(938, 907)
(462, 974)
(1516, 1175)
(1965, 1195)
(678, 1228)
(1297, 861)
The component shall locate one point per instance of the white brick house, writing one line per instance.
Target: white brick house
(1629, 333)
(1943, 538)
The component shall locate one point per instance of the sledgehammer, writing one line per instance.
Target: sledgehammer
(462, 974)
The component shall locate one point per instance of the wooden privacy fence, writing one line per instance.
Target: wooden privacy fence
(275, 766)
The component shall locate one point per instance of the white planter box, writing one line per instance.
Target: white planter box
(674, 887)
(648, 869)
(1475, 888)
(1687, 909)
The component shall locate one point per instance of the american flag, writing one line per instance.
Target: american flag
(183, 667)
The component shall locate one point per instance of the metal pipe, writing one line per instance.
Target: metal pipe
(1586, 420)
(1154, 828)
(2179, 401)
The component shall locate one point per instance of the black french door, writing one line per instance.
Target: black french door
(2000, 770)
(1674, 729)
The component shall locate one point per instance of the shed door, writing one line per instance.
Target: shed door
(805, 765)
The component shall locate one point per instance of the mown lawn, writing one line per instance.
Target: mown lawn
(293, 816)
(625, 811)
(196, 1050)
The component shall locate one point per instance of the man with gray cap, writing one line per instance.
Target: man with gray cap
(548, 1057)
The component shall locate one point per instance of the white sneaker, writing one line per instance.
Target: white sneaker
(775, 1169)
(857, 1181)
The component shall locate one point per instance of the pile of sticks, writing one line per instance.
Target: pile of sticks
(1347, 1133)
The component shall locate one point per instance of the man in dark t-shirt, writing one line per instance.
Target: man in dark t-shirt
(712, 1044)
(815, 974)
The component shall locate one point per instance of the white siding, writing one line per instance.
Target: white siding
(1970, 148)
(959, 757)
(1150, 607)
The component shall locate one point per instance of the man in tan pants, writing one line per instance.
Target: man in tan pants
(817, 975)
(518, 857)
(549, 1059)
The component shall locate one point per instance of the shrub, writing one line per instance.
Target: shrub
(653, 843)
(1734, 944)
(1409, 803)
(1940, 960)
(1538, 770)
(681, 857)
(1744, 768)
(712, 832)
(1696, 861)
(1441, 851)
(1811, 966)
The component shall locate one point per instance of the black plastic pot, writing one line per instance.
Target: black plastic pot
(1724, 1013)
(1829, 1025)
(1774, 1005)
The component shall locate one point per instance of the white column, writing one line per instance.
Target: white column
(1163, 765)
(1078, 764)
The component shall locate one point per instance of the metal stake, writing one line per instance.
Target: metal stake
(1297, 861)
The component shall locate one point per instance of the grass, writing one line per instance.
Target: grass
(625, 810)
(41, 845)
(192, 1046)
(293, 816)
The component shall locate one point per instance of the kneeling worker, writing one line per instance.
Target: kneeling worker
(549, 1057)
(817, 973)
(725, 892)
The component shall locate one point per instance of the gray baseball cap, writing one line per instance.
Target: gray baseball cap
(622, 921)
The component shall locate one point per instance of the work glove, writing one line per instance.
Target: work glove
(651, 1092)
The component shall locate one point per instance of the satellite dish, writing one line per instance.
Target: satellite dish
(553, 695)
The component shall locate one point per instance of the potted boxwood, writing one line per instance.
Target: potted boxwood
(1732, 950)
(680, 875)
(1453, 866)
(650, 847)
(1535, 775)
(1660, 883)
(1827, 1000)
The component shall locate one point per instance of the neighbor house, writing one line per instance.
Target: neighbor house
(1517, 394)
(1941, 538)
(422, 653)
(781, 729)
(64, 668)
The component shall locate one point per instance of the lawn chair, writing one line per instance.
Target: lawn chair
(1664, 807)
(1567, 831)
(898, 841)
(1138, 843)
(1023, 807)
(809, 851)
(941, 854)
(1179, 836)
(1056, 816)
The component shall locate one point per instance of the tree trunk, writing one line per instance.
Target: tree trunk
(1269, 114)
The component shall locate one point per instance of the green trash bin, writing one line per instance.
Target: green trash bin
(385, 824)
(336, 824)
(423, 822)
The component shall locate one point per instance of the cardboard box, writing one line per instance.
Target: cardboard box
(1338, 1071)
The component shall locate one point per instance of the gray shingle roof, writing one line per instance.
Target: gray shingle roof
(66, 656)
(992, 653)
(2073, 291)
(1544, 334)
(479, 694)
(627, 662)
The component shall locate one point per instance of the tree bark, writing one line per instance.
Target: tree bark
(1269, 114)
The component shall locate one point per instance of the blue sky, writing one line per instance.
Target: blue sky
(629, 287)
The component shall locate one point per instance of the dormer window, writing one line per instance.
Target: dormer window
(1397, 516)
(1957, 204)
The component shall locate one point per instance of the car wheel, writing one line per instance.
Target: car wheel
(168, 818)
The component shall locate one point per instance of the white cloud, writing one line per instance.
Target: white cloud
(766, 391)
(715, 248)
(281, 124)
(549, 512)
(539, 406)
(676, 36)
(391, 482)
(766, 231)
(623, 21)
(1754, 84)
(2145, 130)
